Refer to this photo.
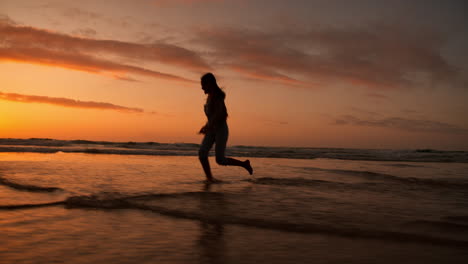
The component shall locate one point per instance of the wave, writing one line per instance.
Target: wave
(190, 149)
(129, 202)
(27, 187)
(440, 225)
(117, 200)
(112, 200)
(457, 218)
(369, 175)
(293, 182)
(30, 206)
(399, 165)
(114, 151)
(302, 182)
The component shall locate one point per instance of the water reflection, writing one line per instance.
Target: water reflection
(211, 241)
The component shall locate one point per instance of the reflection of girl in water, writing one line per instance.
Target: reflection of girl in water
(216, 129)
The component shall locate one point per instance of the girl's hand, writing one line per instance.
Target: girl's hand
(206, 128)
(203, 130)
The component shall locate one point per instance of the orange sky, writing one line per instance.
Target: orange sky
(305, 74)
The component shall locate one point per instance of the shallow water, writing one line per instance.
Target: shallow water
(82, 208)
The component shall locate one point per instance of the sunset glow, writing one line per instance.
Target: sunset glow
(296, 73)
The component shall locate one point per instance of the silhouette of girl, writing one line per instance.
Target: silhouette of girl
(216, 129)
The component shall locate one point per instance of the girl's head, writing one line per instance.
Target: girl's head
(209, 84)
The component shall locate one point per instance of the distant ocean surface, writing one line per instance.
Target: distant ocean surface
(189, 149)
(106, 202)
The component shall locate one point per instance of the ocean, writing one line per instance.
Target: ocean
(105, 202)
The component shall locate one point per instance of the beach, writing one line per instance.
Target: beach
(117, 208)
(232, 132)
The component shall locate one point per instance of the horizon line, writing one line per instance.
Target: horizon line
(237, 145)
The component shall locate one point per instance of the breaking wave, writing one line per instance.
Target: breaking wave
(457, 218)
(134, 202)
(439, 225)
(401, 165)
(30, 206)
(26, 187)
(369, 175)
(293, 182)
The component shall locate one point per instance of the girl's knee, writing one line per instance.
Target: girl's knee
(221, 160)
(202, 154)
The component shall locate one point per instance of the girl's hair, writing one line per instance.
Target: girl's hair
(209, 78)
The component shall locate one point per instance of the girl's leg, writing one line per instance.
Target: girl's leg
(244, 164)
(220, 148)
(205, 147)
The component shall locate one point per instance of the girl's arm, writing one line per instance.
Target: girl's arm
(219, 113)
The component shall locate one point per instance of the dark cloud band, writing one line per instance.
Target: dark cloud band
(32, 45)
(415, 125)
(66, 102)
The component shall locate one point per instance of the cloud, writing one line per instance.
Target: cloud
(172, 2)
(85, 32)
(66, 102)
(73, 12)
(125, 78)
(265, 74)
(4, 19)
(363, 111)
(81, 62)
(380, 57)
(378, 96)
(34, 45)
(409, 111)
(414, 125)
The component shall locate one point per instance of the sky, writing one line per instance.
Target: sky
(302, 73)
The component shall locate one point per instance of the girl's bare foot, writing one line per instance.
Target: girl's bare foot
(212, 180)
(248, 167)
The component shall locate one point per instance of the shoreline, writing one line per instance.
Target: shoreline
(189, 149)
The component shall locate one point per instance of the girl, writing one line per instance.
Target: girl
(216, 129)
